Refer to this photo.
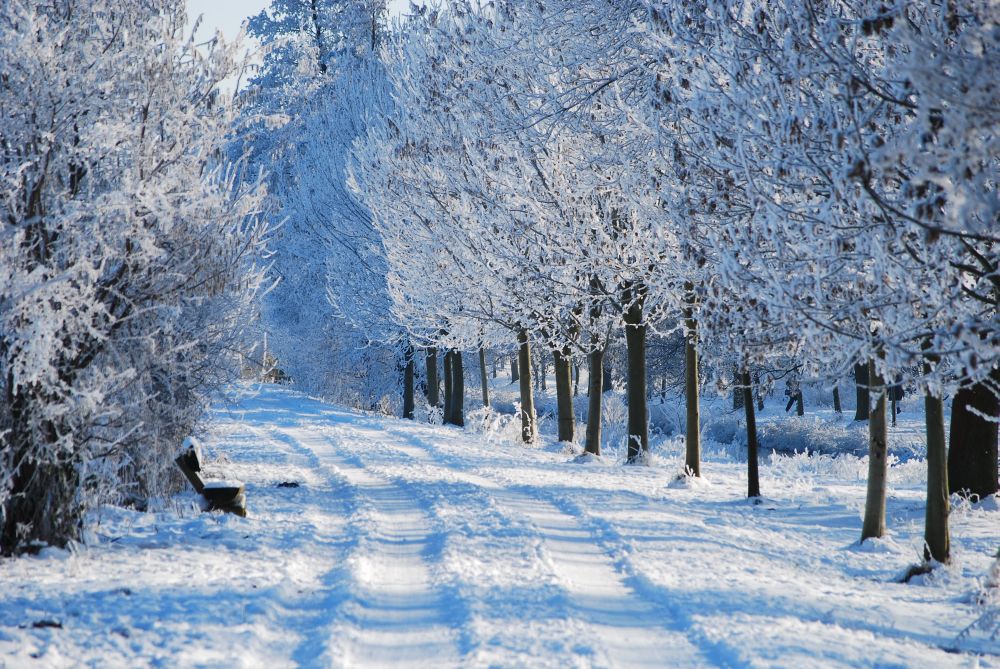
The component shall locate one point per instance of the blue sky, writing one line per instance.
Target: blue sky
(226, 15)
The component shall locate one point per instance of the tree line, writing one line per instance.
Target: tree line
(779, 181)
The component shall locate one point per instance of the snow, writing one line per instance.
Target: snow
(213, 484)
(417, 545)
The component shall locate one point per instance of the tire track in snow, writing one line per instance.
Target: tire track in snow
(634, 628)
(514, 614)
(309, 612)
(392, 613)
(615, 547)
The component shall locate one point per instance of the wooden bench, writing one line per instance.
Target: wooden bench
(229, 496)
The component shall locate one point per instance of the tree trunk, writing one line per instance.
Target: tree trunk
(861, 389)
(692, 456)
(874, 522)
(483, 379)
(529, 427)
(594, 396)
(760, 391)
(564, 393)
(408, 384)
(534, 370)
(738, 393)
(606, 385)
(972, 444)
(937, 538)
(41, 507)
(799, 408)
(753, 477)
(576, 380)
(457, 389)
(836, 400)
(514, 369)
(449, 394)
(638, 410)
(433, 396)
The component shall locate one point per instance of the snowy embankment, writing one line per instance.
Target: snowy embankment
(415, 545)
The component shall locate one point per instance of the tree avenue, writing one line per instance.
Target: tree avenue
(779, 191)
(780, 181)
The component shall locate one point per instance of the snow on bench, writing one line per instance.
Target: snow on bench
(229, 496)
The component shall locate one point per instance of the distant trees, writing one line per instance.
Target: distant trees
(320, 83)
(127, 260)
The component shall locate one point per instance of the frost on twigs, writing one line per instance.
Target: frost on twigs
(987, 624)
(128, 260)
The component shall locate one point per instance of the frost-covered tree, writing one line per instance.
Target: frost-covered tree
(950, 159)
(829, 223)
(126, 261)
(319, 84)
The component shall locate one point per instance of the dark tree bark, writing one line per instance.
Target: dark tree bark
(483, 379)
(692, 456)
(753, 476)
(594, 397)
(448, 387)
(738, 394)
(529, 425)
(576, 379)
(861, 390)
(564, 393)
(799, 407)
(937, 538)
(635, 341)
(759, 390)
(408, 384)
(40, 508)
(972, 444)
(836, 400)
(514, 369)
(433, 390)
(457, 389)
(874, 521)
(607, 384)
(318, 36)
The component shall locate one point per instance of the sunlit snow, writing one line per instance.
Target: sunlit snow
(413, 545)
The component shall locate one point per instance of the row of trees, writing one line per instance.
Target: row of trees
(789, 185)
(129, 243)
(780, 180)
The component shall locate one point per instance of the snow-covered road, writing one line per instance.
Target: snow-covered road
(409, 545)
(411, 601)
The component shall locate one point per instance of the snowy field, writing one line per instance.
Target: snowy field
(411, 545)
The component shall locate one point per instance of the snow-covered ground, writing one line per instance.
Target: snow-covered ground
(412, 545)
